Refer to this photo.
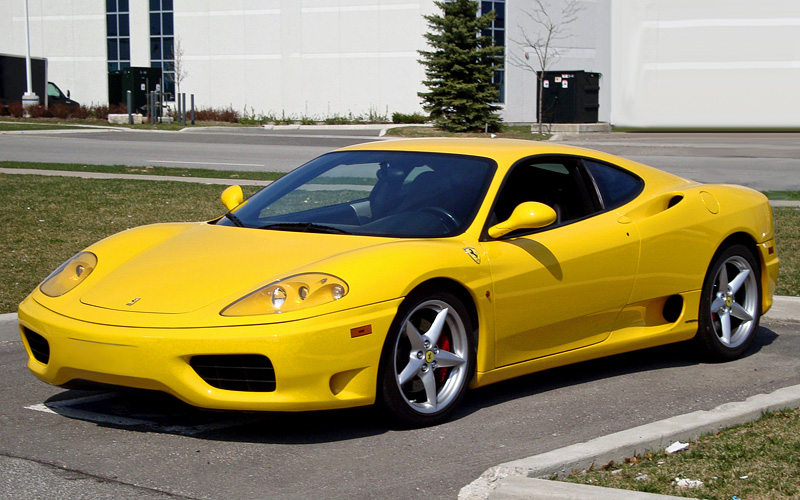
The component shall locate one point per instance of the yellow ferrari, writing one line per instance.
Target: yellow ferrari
(403, 272)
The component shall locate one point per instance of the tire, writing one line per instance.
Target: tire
(428, 359)
(730, 307)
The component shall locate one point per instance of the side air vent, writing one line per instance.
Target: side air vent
(674, 200)
(673, 308)
(236, 372)
(40, 348)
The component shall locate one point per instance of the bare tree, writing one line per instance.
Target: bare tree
(543, 40)
(177, 63)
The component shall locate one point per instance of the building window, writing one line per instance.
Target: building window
(118, 34)
(497, 32)
(162, 43)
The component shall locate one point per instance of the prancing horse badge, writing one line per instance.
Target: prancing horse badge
(473, 253)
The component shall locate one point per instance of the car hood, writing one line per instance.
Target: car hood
(206, 264)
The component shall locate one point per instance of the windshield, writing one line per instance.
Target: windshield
(372, 193)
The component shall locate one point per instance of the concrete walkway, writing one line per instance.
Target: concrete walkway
(134, 177)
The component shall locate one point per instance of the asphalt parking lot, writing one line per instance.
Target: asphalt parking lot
(57, 443)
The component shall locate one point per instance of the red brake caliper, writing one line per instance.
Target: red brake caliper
(444, 345)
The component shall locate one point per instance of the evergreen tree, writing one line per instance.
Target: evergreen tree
(459, 68)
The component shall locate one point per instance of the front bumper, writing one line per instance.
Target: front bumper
(769, 273)
(323, 362)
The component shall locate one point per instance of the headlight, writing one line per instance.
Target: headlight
(69, 274)
(289, 294)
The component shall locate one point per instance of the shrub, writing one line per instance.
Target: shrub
(409, 118)
(228, 115)
(338, 120)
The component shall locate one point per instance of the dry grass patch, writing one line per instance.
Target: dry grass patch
(203, 173)
(756, 461)
(787, 239)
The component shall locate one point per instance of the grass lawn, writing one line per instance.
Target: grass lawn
(46, 220)
(783, 195)
(10, 123)
(787, 238)
(24, 126)
(167, 171)
(755, 461)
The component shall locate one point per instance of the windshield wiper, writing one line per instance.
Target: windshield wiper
(235, 219)
(305, 227)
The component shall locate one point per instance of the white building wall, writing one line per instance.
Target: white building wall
(676, 63)
(710, 63)
(139, 16)
(70, 35)
(314, 58)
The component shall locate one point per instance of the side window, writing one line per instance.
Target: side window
(614, 186)
(556, 182)
(52, 91)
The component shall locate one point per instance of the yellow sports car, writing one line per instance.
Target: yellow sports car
(402, 273)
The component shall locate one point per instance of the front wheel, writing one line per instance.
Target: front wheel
(730, 306)
(428, 359)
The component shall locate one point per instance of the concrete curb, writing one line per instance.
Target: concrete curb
(784, 203)
(621, 445)
(382, 128)
(784, 308)
(518, 488)
(297, 126)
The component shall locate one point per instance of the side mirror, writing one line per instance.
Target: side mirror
(527, 215)
(68, 96)
(232, 197)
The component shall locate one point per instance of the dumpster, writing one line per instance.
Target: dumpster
(139, 80)
(569, 96)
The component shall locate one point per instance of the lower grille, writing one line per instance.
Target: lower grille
(39, 346)
(236, 372)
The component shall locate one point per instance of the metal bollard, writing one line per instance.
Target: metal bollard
(130, 107)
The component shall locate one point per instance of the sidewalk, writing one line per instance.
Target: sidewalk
(134, 177)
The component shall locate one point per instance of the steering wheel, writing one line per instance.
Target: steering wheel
(450, 223)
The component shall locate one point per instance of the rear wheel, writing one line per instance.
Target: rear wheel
(730, 307)
(428, 359)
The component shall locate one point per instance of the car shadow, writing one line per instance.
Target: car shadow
(149, 411)
(676, 355)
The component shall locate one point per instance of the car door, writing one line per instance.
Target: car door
(561, 287)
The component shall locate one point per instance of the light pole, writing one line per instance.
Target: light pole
(29, 98)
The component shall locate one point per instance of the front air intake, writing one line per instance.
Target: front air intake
(40, 348)
(236, 372)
